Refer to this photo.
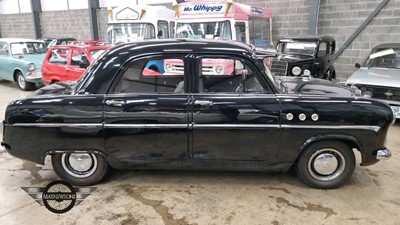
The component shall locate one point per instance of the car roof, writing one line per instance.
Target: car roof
(308, 38)
(11, 40)
(388, 45)
(181, 46)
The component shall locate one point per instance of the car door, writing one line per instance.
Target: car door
(74, 72)
(146, 114)
(54, 67)
(235, 115)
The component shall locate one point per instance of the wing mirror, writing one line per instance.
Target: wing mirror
(358, 65)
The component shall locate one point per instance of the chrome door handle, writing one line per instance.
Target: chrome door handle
(203, 103)
(115, 102)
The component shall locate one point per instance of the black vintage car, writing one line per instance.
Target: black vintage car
(215, 106)
(298, 54)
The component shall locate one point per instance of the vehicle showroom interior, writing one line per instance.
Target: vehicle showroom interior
(199, 112)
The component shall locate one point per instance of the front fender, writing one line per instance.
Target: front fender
(352, 141)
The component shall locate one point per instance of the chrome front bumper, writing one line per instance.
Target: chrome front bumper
(383, 154)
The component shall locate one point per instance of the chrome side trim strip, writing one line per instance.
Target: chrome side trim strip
(344, 127)
(230, 126)
(146, 126)
(51, 125)
(205, 126)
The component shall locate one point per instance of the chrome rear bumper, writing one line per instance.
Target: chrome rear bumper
(383, 154)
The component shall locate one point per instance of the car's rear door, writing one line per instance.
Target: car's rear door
(146, 114)
(74, 72)
(54, 67)
(235, 115)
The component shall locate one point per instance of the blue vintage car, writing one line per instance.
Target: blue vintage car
(20, 61)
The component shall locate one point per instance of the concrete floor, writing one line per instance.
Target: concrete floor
(170, 197)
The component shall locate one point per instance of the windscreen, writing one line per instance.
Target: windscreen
(384, 58)
(298, 48)
(211, 30)
(128, 32)
(22, 48)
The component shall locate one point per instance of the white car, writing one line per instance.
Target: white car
(379, 75)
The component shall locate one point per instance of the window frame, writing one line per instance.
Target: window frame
(257, 73)
(127, 65)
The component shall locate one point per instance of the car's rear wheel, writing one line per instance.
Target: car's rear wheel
(326, 164)
(22, 83)
(80, 169)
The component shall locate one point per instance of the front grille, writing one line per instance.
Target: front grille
(379, 92)
(279, 67)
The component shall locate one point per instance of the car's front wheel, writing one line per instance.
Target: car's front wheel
(80, 169)
(22, 83)
(326, 164)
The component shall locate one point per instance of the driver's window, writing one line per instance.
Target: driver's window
(322, 49)
(228, 75)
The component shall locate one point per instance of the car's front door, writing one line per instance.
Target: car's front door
(146, 114)
(235, 115)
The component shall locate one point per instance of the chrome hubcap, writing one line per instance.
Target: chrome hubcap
(21, 81)
(79, 165)
(326, 164)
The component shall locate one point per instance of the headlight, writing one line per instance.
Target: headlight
(31, 66)
(296, 70)
(219, 69)
(367, 94)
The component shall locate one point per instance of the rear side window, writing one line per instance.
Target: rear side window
(154, 75)
(59, 56)
(228, 75)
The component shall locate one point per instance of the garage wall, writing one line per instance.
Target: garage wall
(66, 23)
(17, 25)
(338, 18)
(289, 17)
(102, 19)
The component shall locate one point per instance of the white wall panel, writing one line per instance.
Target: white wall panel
(25, 6)
(111, 3)
(9, 7)
(54, 5)
(78, 4)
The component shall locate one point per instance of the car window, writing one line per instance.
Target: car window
(76, 57)
(298, 48)
(21, 48)
(384, 58)
(154, 75)
(322, 49)
(3, 48)
(59, 56)
(228, 75)
(96, 53)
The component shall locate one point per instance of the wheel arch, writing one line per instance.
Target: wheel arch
(53, 152)
(351, 141)
(16, 71)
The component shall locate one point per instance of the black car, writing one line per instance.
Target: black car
(298, 54)
(212, 108)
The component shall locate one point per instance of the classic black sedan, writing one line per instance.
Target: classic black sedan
(214, 106)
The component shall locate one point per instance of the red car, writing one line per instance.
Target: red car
(68, 62)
